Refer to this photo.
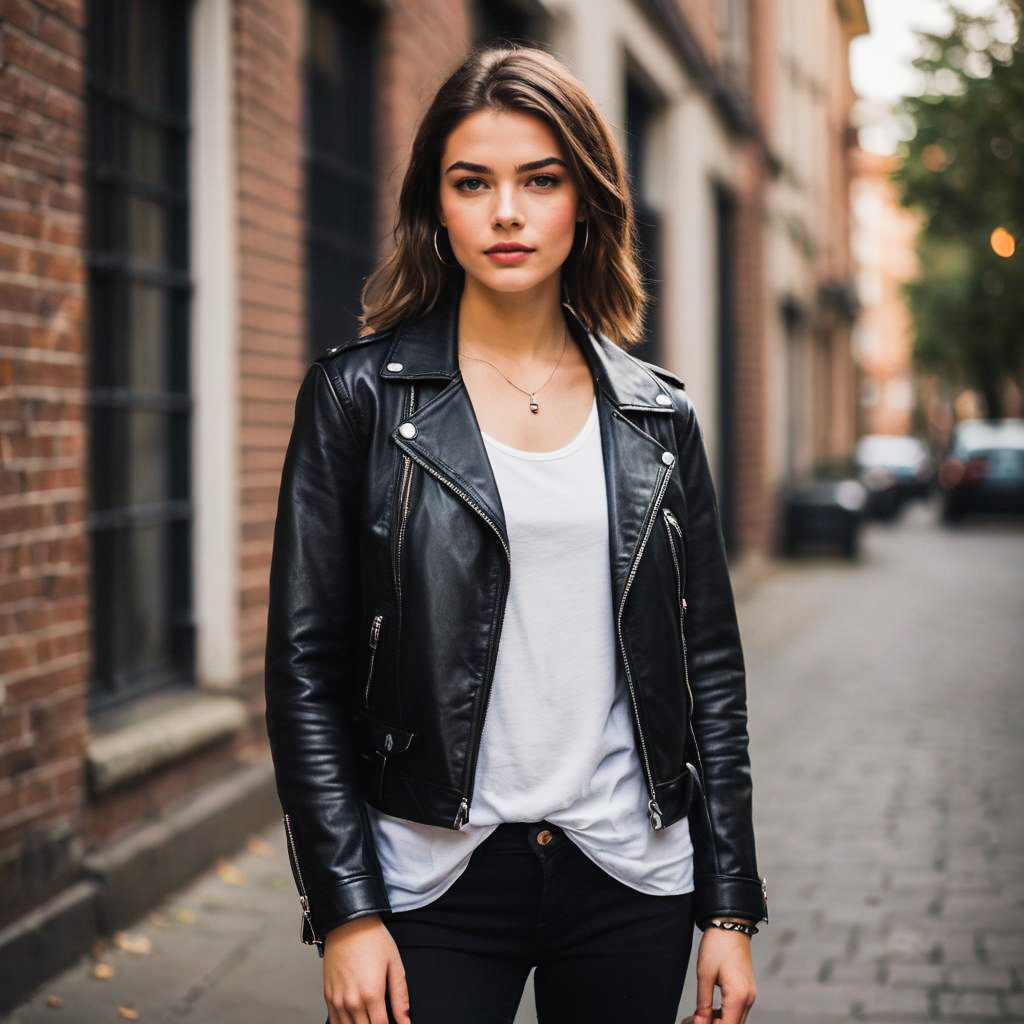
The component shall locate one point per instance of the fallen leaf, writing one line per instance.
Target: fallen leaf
(128, 1013)
(229, 873)
(259, 846)
(103, 970)
(134, 942)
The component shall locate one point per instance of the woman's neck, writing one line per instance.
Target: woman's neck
(513, 329)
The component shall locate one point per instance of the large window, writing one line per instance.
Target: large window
(641, 109)
(504, 22)
(341, 181)
(140, 508)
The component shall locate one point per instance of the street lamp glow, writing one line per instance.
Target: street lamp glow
(1003, 243)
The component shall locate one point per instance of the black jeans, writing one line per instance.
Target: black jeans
(529, 897)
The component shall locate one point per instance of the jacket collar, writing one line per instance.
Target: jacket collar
(428, 347)
(443, 435)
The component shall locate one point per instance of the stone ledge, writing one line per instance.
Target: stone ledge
(158, 730)
(124, 880)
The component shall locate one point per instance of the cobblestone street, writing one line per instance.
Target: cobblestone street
(887, 708)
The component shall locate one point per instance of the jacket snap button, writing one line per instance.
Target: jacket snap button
(388, 742)
(407, 430)
(668, 458)
(663, 400)
(394, 367)
(544, 837)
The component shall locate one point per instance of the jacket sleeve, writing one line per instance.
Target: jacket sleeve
(314, 606)
(725, 868)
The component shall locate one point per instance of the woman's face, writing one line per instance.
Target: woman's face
(503, 179)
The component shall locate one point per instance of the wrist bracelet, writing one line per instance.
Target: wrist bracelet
(732, 926)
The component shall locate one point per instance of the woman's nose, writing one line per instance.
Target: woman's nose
(507, 205)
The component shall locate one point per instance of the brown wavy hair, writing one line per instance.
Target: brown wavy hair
(604, 286)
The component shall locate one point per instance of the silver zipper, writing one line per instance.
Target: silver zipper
(374, 637)
(404, 493)
(672, 522)
(653, 810)
(303, 898)
(462, 814)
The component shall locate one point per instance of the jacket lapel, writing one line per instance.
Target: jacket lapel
(445, 433)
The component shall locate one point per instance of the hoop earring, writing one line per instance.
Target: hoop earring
(438, 251)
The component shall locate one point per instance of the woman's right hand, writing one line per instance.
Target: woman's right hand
(361, 962)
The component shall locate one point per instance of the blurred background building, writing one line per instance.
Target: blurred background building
(192, 195)
(884, 235)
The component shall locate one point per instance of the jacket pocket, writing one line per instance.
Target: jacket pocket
(375, 627)
(376, 741)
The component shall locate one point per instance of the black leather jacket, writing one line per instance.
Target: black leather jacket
(388, 582)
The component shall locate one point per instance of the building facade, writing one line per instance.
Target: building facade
(811, 373)
(193, 194)
(885, 233)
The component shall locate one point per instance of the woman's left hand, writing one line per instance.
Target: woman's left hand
(723, 959)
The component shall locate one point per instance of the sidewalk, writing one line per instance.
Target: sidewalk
(224, 950)
(886, 712)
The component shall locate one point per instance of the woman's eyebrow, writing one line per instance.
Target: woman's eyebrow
(533, 165)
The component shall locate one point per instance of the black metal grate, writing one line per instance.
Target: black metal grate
(140, 406)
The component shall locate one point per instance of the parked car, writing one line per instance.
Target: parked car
(894, 468)
(825, 507)
(984, 469)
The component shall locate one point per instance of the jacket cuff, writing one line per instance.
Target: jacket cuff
(362, 895)
(730, 896)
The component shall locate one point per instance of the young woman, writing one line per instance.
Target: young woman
(505, 686)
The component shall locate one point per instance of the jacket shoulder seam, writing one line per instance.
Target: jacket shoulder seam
(342, 398)
(356, 342)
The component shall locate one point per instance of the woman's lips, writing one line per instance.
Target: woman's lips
(510, 255)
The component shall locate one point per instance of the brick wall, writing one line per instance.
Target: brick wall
(754, 508)
(439, 29)
(268, 97)
(267, 50)
(43, 548)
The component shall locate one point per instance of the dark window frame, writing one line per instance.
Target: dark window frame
(641, 109)
(139, 401)
(340, 134)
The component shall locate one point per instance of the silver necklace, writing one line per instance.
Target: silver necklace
(534, 407)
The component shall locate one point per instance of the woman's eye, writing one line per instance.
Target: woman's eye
(552, 180)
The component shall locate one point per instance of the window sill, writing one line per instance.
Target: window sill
(157, 730)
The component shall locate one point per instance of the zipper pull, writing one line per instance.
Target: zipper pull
(463, 813)
(375, 630)
(308, 919)
(654, 812)
(684, 604)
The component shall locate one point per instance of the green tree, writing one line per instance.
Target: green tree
(963, 171)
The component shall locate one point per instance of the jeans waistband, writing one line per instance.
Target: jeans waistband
(519, 835)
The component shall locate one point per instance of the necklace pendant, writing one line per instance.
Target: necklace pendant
(534, 407)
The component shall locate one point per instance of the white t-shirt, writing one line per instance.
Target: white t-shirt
(557, 739)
